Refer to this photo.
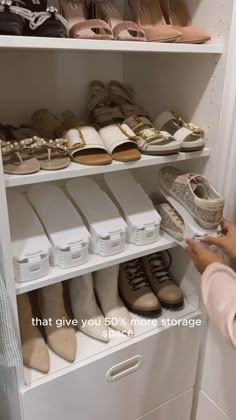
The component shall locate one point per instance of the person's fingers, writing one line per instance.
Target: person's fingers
(195, 247)
(227, 225)
(211, 240)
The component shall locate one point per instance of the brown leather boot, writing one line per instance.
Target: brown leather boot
(34, 349)
(61, 339)
(135, 291)
(168, 293)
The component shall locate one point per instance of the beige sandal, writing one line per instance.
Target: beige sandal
(120, 142)
(16, 161)
(52, 154)
(86, 146)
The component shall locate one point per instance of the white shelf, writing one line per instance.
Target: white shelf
(90, 350)
(96, 262)
(76, 170)
(33, 43)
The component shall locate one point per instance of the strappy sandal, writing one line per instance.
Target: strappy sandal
(120, 143)
(101, 111)
(15, 158)
(122, 30)
(150, 140)
(79, 27)
(49, 23)
(52, 154)
(13, 17)
(86, 146)
(123, 96)
(189, 135)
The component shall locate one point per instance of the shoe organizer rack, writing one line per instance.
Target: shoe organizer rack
(55, 74)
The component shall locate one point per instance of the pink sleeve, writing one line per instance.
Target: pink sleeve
(219, 296)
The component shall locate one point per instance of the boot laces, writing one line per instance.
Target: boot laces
(135, 275)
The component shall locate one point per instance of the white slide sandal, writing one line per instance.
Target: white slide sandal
(150, 140)
(136, 207)
(86, 146)
(107, 228)
(188, 135)
(30, 246)
(117, 139)
(63, 224)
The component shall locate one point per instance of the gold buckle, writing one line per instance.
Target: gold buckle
(125, 132)
(75, 145)
(197, 131)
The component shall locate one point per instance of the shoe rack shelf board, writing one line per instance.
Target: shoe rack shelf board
(89, 349)
(58, 44)
(76, 170)
(95, 263)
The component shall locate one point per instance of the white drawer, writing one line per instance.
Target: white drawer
(123, 385)
(177, 409)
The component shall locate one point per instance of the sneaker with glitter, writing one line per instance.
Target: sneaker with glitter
(195, 194)
(171, 222)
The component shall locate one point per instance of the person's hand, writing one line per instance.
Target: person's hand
(201, 257)
(226, 242)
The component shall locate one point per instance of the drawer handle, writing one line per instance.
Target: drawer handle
(124, 368)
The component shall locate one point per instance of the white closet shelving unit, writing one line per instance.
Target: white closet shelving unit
(55, 73)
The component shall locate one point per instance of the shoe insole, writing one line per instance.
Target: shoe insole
(179, 13)
(15, 167)
(126, 153)
(150, 13)
(92, 157)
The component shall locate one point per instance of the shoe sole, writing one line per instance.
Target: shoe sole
(173, 306)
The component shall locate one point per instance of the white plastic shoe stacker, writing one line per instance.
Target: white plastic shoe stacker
(192, 230)
(136, 207)
(63, 224)
(107, 228)
(30, 246)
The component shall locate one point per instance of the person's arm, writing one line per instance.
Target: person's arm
(219, 296)
(218, 286)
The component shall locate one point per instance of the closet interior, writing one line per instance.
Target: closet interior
(152, 374)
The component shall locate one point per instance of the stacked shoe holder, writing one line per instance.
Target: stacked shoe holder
(136, 207)
(30, 246)
(108, 229)
(203, 192)
(63, 224)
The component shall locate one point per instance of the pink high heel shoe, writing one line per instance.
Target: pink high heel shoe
(122, 30)
(79, 26)
(149, 16)
(176, 14)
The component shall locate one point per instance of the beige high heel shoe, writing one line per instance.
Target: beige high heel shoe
(79, 27)
(34, 349)
(176, 14)
(149, 16)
